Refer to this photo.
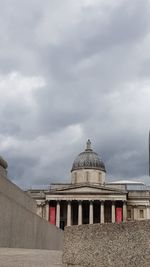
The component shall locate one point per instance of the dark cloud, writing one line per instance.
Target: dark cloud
(71, 71)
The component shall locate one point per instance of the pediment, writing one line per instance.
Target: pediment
(88, 189)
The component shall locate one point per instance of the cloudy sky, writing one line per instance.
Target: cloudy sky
(72, 70)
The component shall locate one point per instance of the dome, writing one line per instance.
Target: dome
(88, 160)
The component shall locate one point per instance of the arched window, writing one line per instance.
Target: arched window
(100, 177)
(87, 176)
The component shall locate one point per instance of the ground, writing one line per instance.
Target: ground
(30, 258)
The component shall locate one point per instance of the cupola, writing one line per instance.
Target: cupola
(88, 167)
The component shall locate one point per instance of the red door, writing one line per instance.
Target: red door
(118, 215)
(52, 215)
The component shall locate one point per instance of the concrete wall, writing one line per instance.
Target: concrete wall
(12, 191)
(104, 245)
(20, 227)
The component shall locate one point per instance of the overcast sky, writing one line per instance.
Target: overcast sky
(72, 70)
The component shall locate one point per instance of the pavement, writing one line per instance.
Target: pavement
(12, 257)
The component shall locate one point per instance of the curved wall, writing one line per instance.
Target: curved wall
(88, 176)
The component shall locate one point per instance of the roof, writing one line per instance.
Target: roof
(127, 182)
(88, 160)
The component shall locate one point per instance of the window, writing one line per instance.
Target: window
(87, 176)
(129, 214)
(100, 176)
(141, 214)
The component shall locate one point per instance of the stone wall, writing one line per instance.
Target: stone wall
(104, 245)
(88, 176)
(20, 227)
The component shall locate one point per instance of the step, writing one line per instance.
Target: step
(12, 257)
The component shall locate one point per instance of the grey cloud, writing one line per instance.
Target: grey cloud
(93, 74)
(125, 25)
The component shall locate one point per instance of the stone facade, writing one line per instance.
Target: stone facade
(88, 199)
(86, 203)
(103, 245)
(88, 176)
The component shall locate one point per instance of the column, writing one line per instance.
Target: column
(124, 211)
(91, 213)
(58, 214)
(113, 212)
(47, 211)
(147, 213)
(102, 212)
(69, 213)
(80, 213)
(134, 213)
(38, 210)
(41, 211)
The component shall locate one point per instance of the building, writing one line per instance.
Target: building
(89, 199)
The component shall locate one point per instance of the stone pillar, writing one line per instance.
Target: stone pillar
(41, 211)
(58, 214)
(47, 211)
(124, 211)
(80, 213)
(69, 213)
(91, 219)
(113, 215)
(147, 213)
(102, 212)
(134, 213)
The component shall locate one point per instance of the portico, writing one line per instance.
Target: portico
(86, 204)
(87, 212)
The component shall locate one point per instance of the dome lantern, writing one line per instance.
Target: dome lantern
(88, 145)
